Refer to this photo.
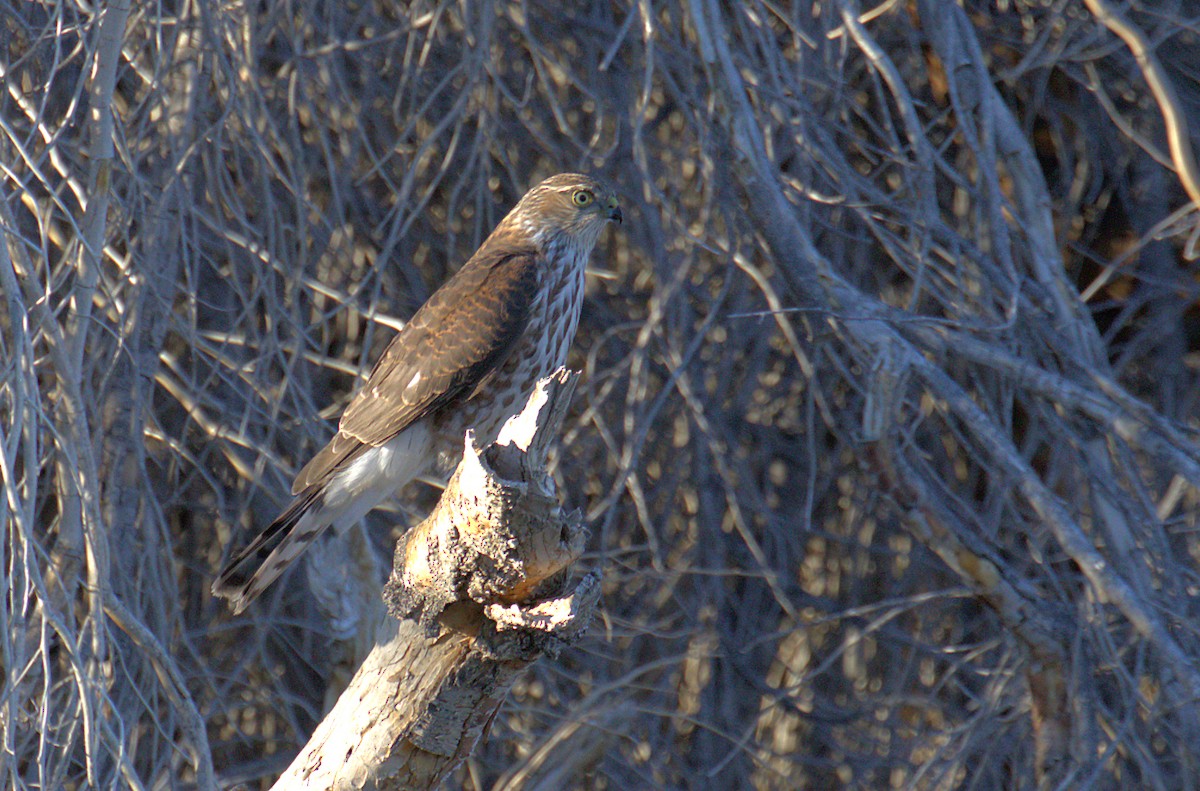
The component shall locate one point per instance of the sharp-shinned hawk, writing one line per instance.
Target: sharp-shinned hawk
(468, 359)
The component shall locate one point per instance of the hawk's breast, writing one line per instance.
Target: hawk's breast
(553, 319)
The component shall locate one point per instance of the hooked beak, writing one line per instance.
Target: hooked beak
(614, 211)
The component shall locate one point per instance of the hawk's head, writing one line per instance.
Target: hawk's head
(567, 209)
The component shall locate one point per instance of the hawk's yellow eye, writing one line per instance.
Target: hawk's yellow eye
(583, 198)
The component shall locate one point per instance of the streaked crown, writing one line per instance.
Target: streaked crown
(569, 208)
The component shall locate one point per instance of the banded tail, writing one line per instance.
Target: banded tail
(252, 570)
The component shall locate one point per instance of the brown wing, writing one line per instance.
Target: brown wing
(465, 331)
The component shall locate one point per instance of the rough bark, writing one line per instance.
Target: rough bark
(478, 592)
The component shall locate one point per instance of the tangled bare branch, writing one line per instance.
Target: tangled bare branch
(887, 435)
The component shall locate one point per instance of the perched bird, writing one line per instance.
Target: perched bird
(468, 359)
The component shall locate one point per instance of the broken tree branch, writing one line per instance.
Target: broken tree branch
(478, 592)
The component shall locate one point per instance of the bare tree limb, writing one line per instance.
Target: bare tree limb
(1174, 118)
(478, 592)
